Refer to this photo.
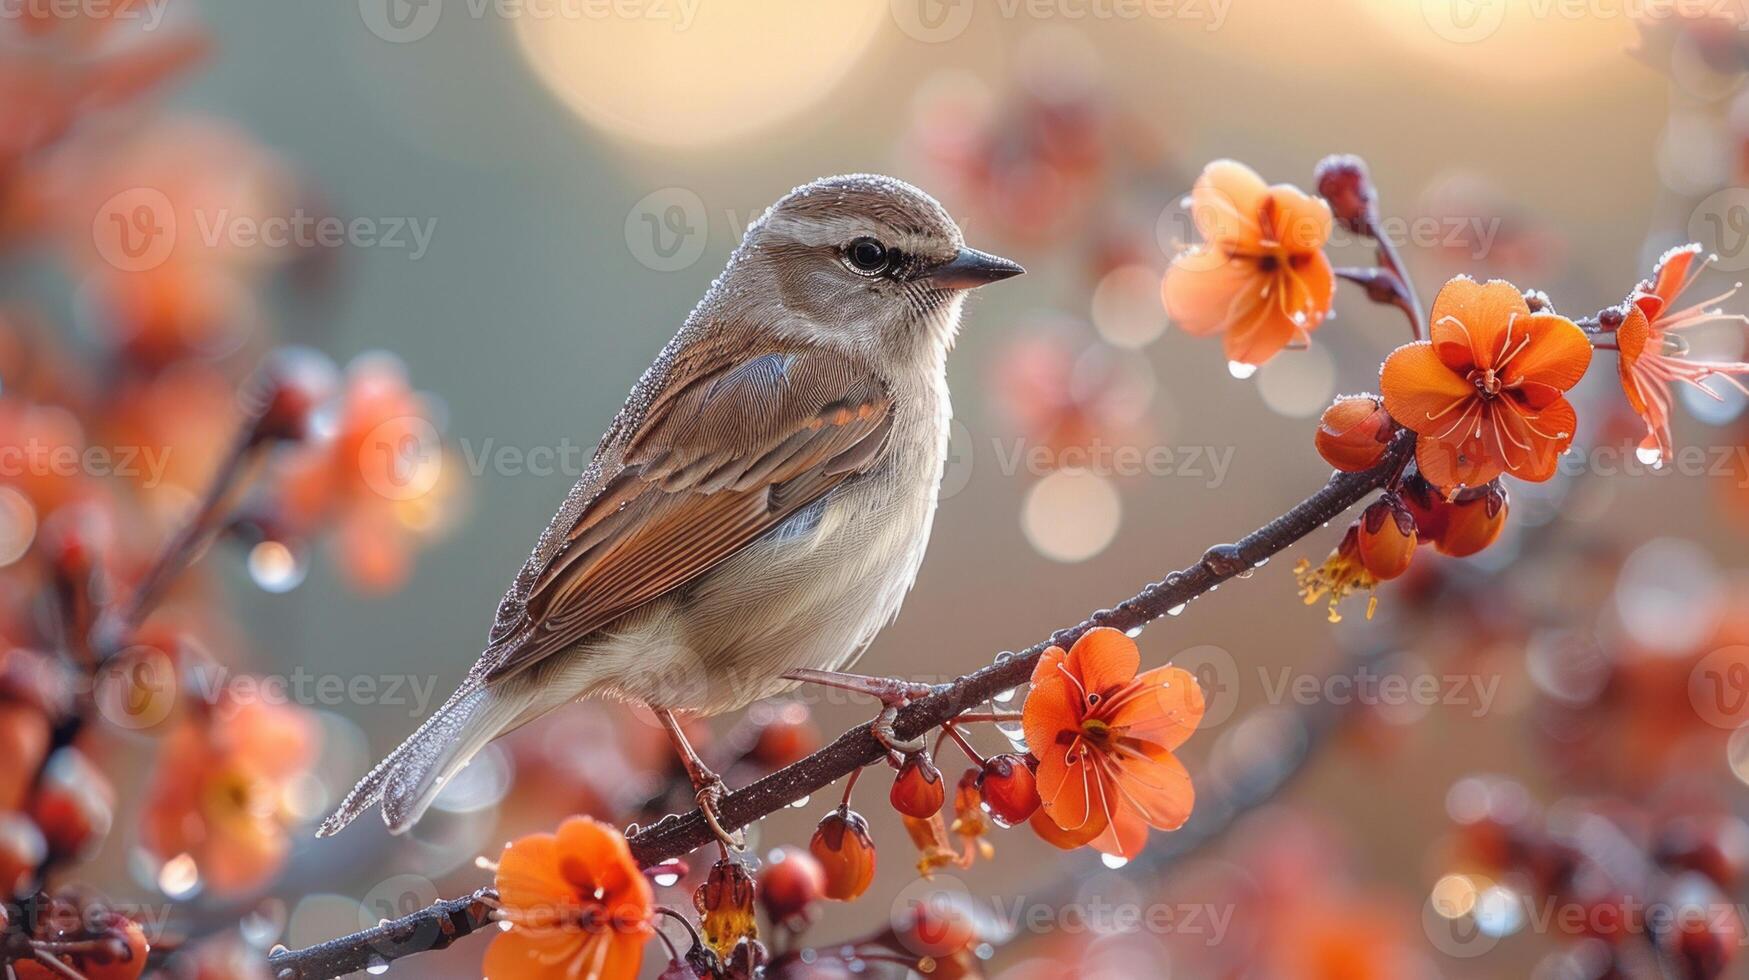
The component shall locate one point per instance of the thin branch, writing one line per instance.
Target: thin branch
(423, 931)
(1389, 258)
(675, 836)
(181, 551)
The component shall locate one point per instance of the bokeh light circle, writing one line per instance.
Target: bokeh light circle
(731, 71)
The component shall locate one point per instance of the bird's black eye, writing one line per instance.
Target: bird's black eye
(867, 256)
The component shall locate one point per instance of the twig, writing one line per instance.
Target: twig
(428, 929)
(850, 752)
(181, 550)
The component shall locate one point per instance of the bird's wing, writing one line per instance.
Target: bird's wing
(731, 446)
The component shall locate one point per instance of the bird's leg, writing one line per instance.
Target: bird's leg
(892, 693)
(710, 786)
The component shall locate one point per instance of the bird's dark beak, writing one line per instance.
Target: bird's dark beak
(972, 268)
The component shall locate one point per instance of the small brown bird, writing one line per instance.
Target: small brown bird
(758, 509)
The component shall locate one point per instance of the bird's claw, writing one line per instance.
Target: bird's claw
(709, 797)
(893, 695)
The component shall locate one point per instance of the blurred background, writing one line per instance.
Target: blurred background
(522, 201)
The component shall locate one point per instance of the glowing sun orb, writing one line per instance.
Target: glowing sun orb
(1506, 40)
(696, 74)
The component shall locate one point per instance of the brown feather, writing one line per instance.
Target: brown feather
(732, 446)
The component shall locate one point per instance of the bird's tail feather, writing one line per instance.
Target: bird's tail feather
(408, 780)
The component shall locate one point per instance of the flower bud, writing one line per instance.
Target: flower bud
(1473, 522)
(22, 850)
(918, 790)
(1009, 789)
(789, 886)
(846, 854)
(747, 962)
(1387, 538)
(292, 384)
(1343, 181)
(24, 742)
(1354, 432)
(725, 902)
(74, 806)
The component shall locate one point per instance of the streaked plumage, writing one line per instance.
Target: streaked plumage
(760, 504)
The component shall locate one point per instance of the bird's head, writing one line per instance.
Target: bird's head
(863, 261)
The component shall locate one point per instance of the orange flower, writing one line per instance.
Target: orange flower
(578, 907)
(220, 794)
(1104, 737)
(1260, 276)
(1486, 394)
(1652, 353)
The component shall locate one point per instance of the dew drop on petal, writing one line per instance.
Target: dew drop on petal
(1241, 370)
(1113, 861)
(1650, 456)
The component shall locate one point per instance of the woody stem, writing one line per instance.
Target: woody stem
(857, 748)
(1388, 257)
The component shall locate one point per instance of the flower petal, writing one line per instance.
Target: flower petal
(1466, 311)
(1163, 707)
(1671, 275)
(1125, 836)
(1224, 203)
(529, 876)
(1052, 707)
(1421, 391)
(1630, 341)
(1548, 434)
(1468, 462)
(1206, 292)
(1067, 791)
(1555, 353)
(1157, 787)
(1104, 660)
(1294, 220)
(522, 954)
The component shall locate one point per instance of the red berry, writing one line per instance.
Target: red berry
(918, 790)
(1008, 788)
(790, 885)
(846, 854)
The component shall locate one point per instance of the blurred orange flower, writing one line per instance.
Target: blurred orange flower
(577, 905)
(219, 796)
(378, 472)
(1104, 737)
(1486, 394)
(1652, 353)
(1260, 276)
